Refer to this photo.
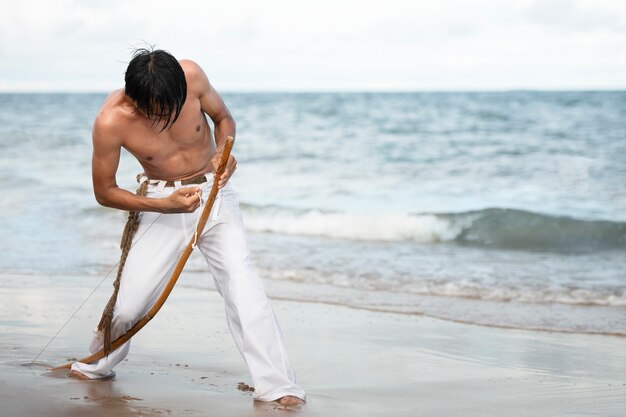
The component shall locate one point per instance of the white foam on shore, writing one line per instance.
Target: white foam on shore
(591, 319)
(459, 289)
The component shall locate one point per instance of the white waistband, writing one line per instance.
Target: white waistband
(160, 184)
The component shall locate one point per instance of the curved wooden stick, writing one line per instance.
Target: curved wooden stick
(179, 267)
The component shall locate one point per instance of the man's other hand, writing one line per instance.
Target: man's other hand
(231, 166)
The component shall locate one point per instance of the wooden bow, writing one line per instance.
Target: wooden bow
(177, 271)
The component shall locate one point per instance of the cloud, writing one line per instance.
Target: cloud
(322, 45)
(578, 16)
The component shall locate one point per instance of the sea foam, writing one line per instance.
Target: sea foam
(491, 227)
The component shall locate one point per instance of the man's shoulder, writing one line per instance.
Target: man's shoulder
(190, 67)
(197, 80)
(112, 113)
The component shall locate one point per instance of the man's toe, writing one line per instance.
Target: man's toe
(290, 400)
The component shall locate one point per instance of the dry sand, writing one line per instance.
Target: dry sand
(351, 362)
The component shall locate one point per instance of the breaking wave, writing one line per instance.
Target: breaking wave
(491, 227)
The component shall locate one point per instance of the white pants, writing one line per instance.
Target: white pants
(223, 244)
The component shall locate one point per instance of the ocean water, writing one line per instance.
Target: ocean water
(504, 209)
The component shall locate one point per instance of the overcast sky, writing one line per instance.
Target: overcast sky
(287, 45)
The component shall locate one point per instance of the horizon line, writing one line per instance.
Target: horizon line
(348, 91)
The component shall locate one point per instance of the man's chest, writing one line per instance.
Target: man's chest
(148, 143)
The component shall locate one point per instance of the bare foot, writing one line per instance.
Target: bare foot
(77, 375)
(290, 400)
(82, 376)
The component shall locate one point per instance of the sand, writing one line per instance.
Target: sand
(351, 362)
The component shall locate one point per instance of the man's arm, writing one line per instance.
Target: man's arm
(213, 105)
(104, 164)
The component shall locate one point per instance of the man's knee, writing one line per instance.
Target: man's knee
(244, 280)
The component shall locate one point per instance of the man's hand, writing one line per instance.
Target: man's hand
(183, 200)
(231, 166)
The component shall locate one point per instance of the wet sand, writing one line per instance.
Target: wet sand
(351, 362)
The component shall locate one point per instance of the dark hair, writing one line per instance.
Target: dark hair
(155, 81)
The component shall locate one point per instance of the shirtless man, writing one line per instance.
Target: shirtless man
(159, 117)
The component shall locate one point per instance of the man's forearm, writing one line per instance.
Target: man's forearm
(119, 198)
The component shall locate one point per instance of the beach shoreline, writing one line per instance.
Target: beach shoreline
(351, 362)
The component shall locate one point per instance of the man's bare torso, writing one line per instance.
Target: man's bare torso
(183, 151)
